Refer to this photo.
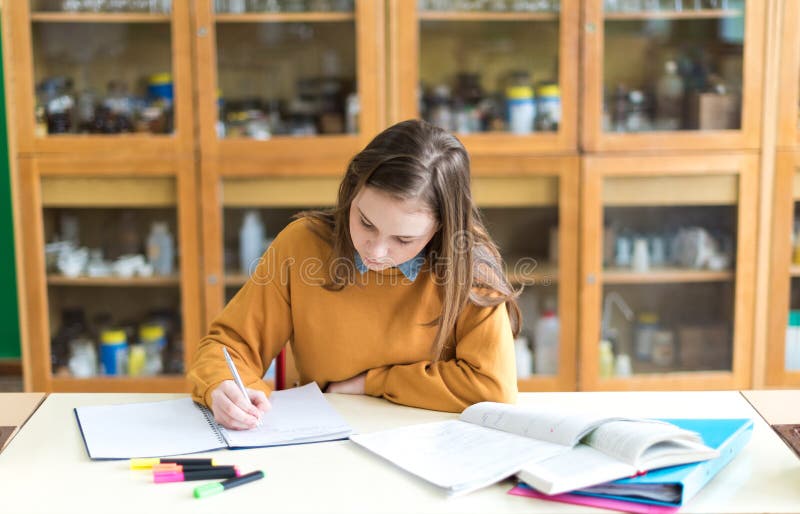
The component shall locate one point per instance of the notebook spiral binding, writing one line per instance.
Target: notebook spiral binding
(212, 423)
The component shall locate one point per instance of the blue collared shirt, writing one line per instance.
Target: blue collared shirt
(410, 269)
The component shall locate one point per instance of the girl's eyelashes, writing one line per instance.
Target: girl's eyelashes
(369, 226)
(365, 224)
(403, 242)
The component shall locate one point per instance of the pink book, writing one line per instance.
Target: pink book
(591, 501)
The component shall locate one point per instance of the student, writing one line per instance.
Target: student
(397, 292)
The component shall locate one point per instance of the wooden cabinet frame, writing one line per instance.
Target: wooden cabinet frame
(594, 139)
(595, 169)
(286, 155)
(17, 19)
(788, 132)
(404, 83)
(36, 341)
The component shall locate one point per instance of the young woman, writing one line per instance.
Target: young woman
(397, 292)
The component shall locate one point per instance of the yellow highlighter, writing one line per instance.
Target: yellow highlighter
(148, 463)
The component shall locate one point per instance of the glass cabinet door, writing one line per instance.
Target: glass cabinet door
(676, 74)
(783, 351)
(254, 211)
(530, 220)
(672, 282)
(281, 75)
(500, 74)
(102, 68)
(116, 265)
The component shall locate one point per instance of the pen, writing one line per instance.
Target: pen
(163, 477)
(236, 377)
(217, 487)
(150, 462)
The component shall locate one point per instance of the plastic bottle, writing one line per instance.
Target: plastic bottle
(521, 109)
(646, 329)
(161, 249)
(153, 339)
(113, 352)
(524, 357)
(251, 241)
(606, 359)
(548, 107)
(352, 109)
(669, 98)
(546, 343)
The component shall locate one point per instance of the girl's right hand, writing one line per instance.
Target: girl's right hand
(232, 410)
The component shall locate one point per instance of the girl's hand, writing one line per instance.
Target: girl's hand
(353, 385)
(231, 410)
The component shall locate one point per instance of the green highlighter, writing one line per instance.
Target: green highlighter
(207, 490)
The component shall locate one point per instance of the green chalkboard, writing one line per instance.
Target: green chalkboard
(9, 318)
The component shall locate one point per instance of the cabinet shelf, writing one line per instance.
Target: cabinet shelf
(122, 384)
(300, 17)
(82, 17)
(60, 280)
(707, 14)
(664, 276)
(542, 275)
(487, 16)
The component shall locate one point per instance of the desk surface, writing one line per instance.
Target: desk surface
(341, 477)
(776, 406)
(15, 409)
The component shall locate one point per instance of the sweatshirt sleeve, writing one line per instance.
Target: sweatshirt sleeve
(254, 326)
(483, 368)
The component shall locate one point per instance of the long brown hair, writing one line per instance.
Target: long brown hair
(416, 160)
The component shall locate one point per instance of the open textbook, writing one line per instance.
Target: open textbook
(175, 427)
(552, 449)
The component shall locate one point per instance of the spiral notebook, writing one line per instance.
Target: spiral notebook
(177, 427)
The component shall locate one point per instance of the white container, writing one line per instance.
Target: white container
(546, 344)
(524, 357)
(161, 249)
(622, 365)
(521, 109)
(251, 241)
(640, 261)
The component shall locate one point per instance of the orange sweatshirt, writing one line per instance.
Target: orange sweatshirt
(376, 325)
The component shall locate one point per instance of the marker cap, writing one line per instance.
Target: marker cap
(144, 463)
(207, 490)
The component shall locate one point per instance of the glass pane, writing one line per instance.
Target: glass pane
(792, 343)
(528, 241)
(673, 65)
(296, 79)
(668, 288)
(113, 291)
(102, 78)
(491, 70)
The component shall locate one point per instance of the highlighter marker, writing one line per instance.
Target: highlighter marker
(150, 462)
(186, 467)
(186, 476)
(206, 490)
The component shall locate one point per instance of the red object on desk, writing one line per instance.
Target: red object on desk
(280, 370)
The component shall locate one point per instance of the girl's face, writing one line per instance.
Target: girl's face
(387, 231)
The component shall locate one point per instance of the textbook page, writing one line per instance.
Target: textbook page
(648, 444)
(617, 449)
(459, 457)
(298, 415)
(560, 426)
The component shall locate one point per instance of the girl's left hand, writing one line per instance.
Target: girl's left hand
(353, 385)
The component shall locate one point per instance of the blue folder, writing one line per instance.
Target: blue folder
(728, 436)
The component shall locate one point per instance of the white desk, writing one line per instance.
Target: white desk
(45, 468)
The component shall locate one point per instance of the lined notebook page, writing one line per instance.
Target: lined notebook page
(154, 429)
(298, 415)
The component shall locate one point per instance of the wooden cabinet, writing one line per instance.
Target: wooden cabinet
(102, 110)
(254, 108)
(680, 316)
(712, 99)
